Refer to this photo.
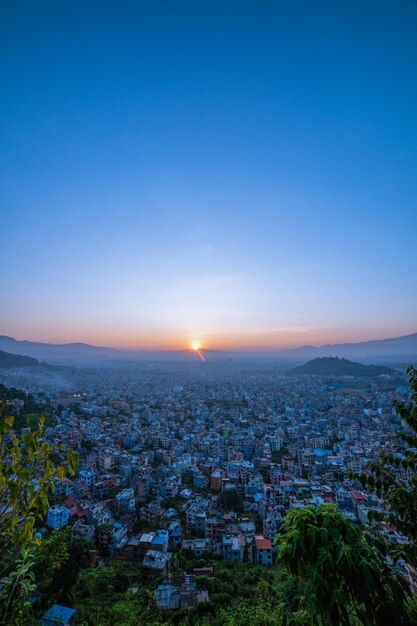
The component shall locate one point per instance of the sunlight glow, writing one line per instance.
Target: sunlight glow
(196, 345)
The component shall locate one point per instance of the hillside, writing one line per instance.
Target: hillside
(399, 349)
(16, 360)
(333, 366)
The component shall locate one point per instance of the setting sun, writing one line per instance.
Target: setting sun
(195, 345)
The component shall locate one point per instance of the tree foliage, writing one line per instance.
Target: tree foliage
(393, 475)
(15, 591)
(230, 500)
(27, 474)
(348, 576)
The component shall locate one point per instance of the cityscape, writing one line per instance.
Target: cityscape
(208, 318)
(205, 458)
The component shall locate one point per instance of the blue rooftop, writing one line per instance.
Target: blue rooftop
(320, 452)
(57, 614)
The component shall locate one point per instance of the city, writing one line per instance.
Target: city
(206, 460)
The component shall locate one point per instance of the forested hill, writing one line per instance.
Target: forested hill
(333, 366)
(16, 360)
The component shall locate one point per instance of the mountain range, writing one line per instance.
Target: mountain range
(400, 349)
(397, 349)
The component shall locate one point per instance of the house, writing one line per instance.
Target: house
(271, 524)
(358, 498)
(137, 547)
(58, 516)
(167, 597)
(263, 550)
(101, 489)
(175, 534)
(77, 513)
(200, 481)
(143, 487)
(82, 532)
(216, 480)
(57, 615)
(125, 501)
(179, 592)
(118, 537)
(87, 477)
(152, 512)
(160, 541)
(198, 547)
(106, 460)
(233, 547)
(167, 489)
(69, 487)
(99, 515)
(156, 562)
(203, 571)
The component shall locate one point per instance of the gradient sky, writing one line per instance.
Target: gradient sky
(243, 173)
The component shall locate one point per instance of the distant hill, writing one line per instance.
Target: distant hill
(85, 354)
(16, 360)
(333, 366)
(399, 349)
(58, 353)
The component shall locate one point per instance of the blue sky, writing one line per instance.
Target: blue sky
(239, 173)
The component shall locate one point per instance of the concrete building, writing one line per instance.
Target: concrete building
(263, 550)
(58, 516)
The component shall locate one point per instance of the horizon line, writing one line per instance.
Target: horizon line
(183, 348)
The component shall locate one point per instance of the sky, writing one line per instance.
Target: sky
(241, 174)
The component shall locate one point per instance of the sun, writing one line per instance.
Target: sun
(196, 345)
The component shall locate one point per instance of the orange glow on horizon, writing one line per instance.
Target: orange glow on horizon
(241, 340)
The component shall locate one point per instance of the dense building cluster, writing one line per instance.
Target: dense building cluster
(210, 461)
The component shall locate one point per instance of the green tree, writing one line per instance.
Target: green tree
(58, 562)
(349, 578)
(230, 500)
(393, 475)
(17, 587)
(27, 474)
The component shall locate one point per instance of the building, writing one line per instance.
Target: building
(179, 592)
(198, 547)
(82, 532)
(118, 538)
(160, 540)
(167, 597)
(175, 534)
(233, 547)
(151, 512)
(137, 547)
(87, 477)
(58, 516)
(125, 501)
(216, 480)
(99, 515)
(156, 562)
(263, 550)
(106, 460)
(200, 481)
